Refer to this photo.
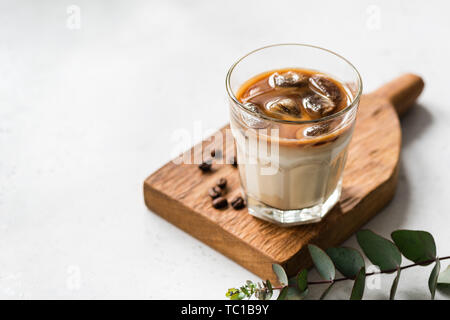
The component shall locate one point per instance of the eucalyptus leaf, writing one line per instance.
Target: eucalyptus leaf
(302, 280)
(269, 290)
(347, 260)
(380, 251)
(327, 290)
(238, 296)
(264, 295)
(280, 273)
(235, 294)
(323, 263)
(417, 246)
(444, 277)
(359, 285)
(269, 285)
(432, 281)
(283, 293)
(292, 281)
(295, 294)
(395, 285)
(232, 292)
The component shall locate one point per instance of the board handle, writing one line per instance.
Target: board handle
(402, 91)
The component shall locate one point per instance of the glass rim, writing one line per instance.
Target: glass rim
(263, 116)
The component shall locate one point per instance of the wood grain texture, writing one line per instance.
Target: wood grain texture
(179, 192)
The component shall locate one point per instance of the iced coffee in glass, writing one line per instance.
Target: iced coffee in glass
(293, 110)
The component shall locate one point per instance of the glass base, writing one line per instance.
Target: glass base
(288, 218)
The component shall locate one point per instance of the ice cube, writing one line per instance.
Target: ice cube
(287, 79)
(316, 130)
(318, 106)
(251, 106)
(284, 106)
(325, 87)
(253, 121)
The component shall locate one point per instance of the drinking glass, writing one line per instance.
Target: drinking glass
(286, 180)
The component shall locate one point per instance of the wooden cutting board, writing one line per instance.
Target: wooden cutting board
(179, 192)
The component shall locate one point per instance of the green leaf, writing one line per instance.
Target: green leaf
(432, 281)
(244, 290)
(230, 292)
(292, 281)
(359, 285)
(417, 246)
(347, 260)
(263, 291)
(283, 294)
(263, 295)
(295, 294)
(324, 294)
(444, 277)
(323, 263)
(269, 286)
(280, 273)
(269, 290)
(238, 296)
(234, 294)
(251, 286)
(395, 285)
(380, 251)
(302, 280)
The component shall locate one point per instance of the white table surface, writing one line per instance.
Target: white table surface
(87, 114)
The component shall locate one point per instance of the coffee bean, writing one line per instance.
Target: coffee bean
(220, 203)
(216, 153)
(215, 192)
(233, 161)
(205, 166)
(238, 203)
(222, 183)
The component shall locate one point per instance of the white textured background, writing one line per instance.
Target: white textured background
(87, 114)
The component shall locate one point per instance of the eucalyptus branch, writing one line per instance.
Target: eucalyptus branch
(370, 273)
(417, 246)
